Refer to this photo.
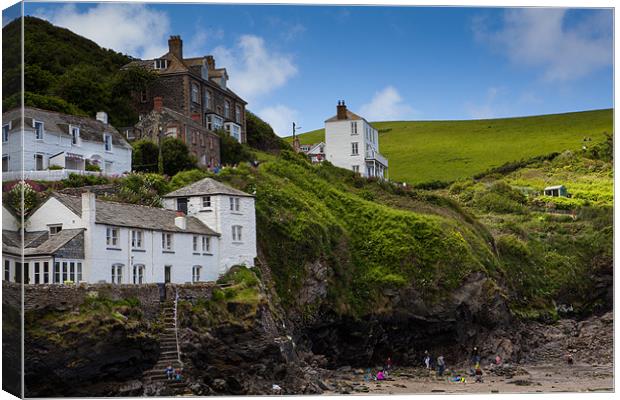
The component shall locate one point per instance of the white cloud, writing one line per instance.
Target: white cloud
(134, 29)
(199, 44)
(487, 108)
(280, 117)
(386, 105)
(543, 38)
(255, 70)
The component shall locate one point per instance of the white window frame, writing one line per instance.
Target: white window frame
(36, 157)
(196, 273)
(117, 274)
(206, 244)
(107, 148)
(356, 168)
(227, 108)
(41, 133)
(138, 274)
(237, 233)
(53, 229)
(6, 128)
(238, 113)
(75, 138)
(355, 149)
(235, 204)
(195, 93)
(353, 127)
(112, 235)
(207, 99)
(160, 63)
(7, 270)
(206, 202)
(195, 243)
(137, 239)
(167, 241)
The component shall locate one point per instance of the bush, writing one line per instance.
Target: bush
(185, 178)
(77, 180)
(261, 136)
(176, 157)
(54, 167)
(93, 167)
(231, 151)
(142, 188)
(144, 156)
(14, 198)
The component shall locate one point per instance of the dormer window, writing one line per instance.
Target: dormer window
(107, 142)
(54, 229)
(75, 135)
(38, 130)
(160, 63)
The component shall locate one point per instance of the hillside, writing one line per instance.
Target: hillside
(66, 72)
(425, 151)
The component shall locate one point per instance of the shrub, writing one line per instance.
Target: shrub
(142, 188)
(231, 151)
(93, 167)
(54, 167)
(30, 198)
(175, 156)
(144, 156)
(77, 180)
(185, 178)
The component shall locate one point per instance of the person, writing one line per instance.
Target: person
(169, 372)
(475, 357)
(367, 375)
(178, 374)
(569, 358)
(478, 373)
(388, 364)
(498, 360)
(441, 365)
(427, 361)
(380, 376)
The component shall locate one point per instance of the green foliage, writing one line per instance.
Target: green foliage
(76, 180)
(185, 178)
(142, 188)
(499, 197)
(22, 198)
(144, 156)
(261, 136)
(176, 156)
(231, 151)
(54, 167)
(425, 151)
(93, 168)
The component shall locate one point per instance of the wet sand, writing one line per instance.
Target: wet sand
(543, 378)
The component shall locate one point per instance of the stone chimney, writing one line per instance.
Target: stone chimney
(180, 220)
(88, 209)
(341, 110)
(175, 46)
(158, 103)
(102, 116)
(211, 62)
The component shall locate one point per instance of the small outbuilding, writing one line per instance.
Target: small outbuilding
(556, 191)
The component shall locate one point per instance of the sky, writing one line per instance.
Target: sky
(293, 63)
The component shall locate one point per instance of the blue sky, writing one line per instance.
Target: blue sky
(293, 63)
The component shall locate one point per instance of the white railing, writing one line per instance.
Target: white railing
(375, 155)
(47, 175)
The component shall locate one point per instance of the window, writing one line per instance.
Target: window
(238, 114)
(138, 274)
(75, 135)
(160, 63)
(195, 93)
(54, 229)
(107, 142)
(206, 244)
(214, 122)
(46, 272)
(207, 99)
(234, 204)
(236, 233)
(7, 270)
(236, 133)
(37, 273)
(79, 272)
(117, 273)
(166, 241)
(206, 202)
(356, 168)
(136, 239)
(195, 273)
(195, 244)
(5, 163)
(354, 128)
(38, 162)
(227, 109)
(57, 273)
(5, 132)
(354, 149)
(111, 236)
(38, 130)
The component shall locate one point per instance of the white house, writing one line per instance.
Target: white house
(66, 143)
(351, 142)
(315, 151)
(84, 239)
(230, 212)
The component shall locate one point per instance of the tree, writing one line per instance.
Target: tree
(231, 151)
(176, 156)
(261, 136)
(144, 156)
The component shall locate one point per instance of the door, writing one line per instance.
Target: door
(167, 273)
(182, 204)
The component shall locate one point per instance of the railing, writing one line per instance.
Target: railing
(47, 175)
(176, 327)
(375, 155)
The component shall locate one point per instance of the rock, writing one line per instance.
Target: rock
(345, 368)
(219, 385)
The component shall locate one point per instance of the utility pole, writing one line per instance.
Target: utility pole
(296, 145)
(160, 158)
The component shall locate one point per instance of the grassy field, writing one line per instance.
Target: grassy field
(424, 151)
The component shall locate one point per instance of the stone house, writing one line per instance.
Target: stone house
(194, 87)
(201, 142)
(85, 239)
(56, 144)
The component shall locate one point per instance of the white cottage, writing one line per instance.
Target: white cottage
(84, 239)
(56, 144)
(351, 142)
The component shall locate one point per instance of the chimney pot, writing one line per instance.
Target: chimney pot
(180, 220)
(211, 62)
(175, 46)
(102, 116)
(158, 103)
(341, 110)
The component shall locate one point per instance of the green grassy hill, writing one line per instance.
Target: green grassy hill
(424, 151)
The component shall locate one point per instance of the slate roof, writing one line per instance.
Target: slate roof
(351, 116)
(206, 186)
(90, 128)
(135, 216)
(37, 243)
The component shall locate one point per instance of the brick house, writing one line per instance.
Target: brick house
(201, 142)
(195, 88)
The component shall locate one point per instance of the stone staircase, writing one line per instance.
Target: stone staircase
(169, 352)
